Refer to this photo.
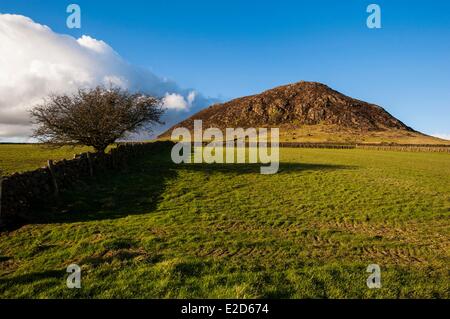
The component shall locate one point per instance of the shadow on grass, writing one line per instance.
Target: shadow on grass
(135, 190)
(33, 277)
(139, 189)
(284, 168)
(4, 258)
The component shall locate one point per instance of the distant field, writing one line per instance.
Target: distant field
(337, 134)
(160, 230)
(25, 157)
(331, 133)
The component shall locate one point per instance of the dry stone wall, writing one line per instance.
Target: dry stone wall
(20, 193)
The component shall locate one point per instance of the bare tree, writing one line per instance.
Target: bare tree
(94, 117)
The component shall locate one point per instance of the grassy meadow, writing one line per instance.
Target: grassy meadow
(25, 157)
(160, 230)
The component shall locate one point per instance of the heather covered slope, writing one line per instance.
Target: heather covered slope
(310, 111)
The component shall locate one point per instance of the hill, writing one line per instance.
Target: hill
(310, 112)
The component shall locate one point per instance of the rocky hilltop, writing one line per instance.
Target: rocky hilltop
(309, 111)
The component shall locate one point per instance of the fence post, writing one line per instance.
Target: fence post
(52, 174)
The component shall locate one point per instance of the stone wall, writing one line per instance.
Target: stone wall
(330, 145)
(406, 147)
(21, 192)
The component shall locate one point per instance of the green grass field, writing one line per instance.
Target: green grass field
(161, 230)
(25, 157)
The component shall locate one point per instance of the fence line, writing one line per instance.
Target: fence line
(407, 148)
(383, 147)
(327, 145)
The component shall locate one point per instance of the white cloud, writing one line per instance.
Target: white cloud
(442, 135)
(191, 97)
(35, 62)
(174, 101)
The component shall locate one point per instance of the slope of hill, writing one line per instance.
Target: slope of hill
(310, 112)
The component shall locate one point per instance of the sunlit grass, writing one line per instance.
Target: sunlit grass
(161, 230)
(25, 157)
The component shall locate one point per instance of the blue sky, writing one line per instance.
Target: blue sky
(233, 48)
